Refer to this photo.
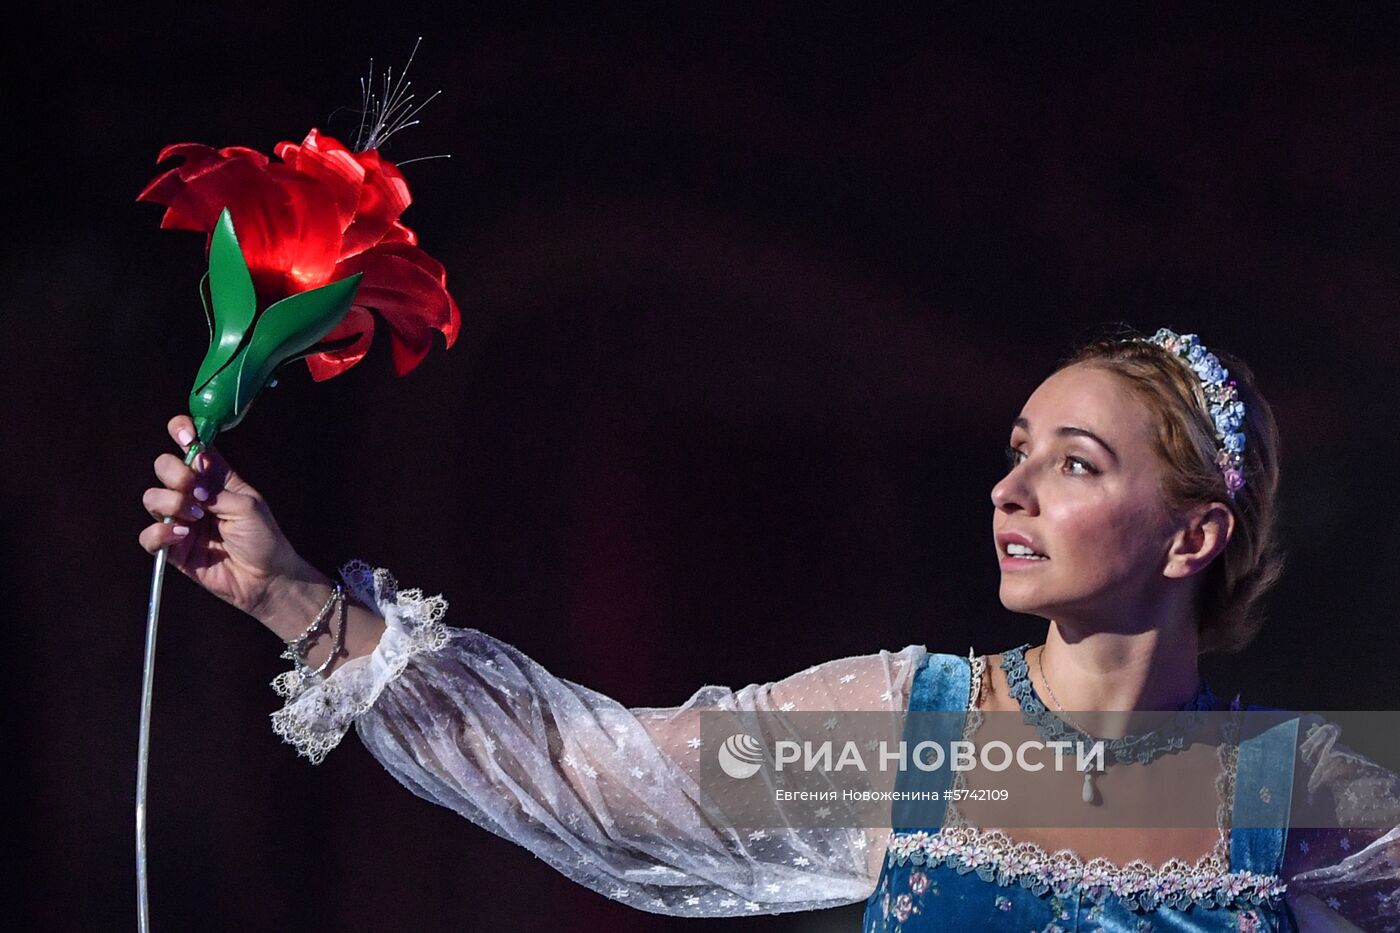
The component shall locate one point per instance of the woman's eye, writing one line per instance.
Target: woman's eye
(1014, 455)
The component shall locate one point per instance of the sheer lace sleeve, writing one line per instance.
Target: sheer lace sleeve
(1352, 871)
(609, 796)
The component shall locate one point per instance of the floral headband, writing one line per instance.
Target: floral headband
(1226, 410)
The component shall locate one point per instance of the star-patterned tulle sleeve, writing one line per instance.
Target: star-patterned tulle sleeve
(1347, 875)
(610, 796)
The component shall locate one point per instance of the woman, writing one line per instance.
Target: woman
(1137, 516)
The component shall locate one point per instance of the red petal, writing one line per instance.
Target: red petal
(324, 159)
(398, 233)
(416, 256)
(197, 158)
(408, 308)
(412, 299)
(191, 152)
(200, 162)
(386, 177)
(289, 233)
(366, 232)
(409, 349)
(453, 325)
(383, 198)
(174, 220)
(403, 289)
(325, 366)
(196, 193)
(198, 151)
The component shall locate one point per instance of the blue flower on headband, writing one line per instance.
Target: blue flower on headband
(1225, 409)
(1209, 369)
(1229, 420)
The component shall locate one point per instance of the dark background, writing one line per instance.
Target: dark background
(749, 301)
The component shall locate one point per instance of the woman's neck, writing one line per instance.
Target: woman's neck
(1154, 669)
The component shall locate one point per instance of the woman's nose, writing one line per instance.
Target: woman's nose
(1012, 492)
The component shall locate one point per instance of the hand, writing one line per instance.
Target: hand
(224, 536)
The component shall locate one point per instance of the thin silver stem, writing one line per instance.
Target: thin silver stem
(143, 752)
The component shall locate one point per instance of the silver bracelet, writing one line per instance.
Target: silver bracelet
(296, 648)
(338, 643)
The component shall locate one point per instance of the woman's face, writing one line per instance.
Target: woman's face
(1083, 490)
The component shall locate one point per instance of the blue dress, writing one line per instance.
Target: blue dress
(964, 878)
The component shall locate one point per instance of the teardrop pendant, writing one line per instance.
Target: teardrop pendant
(1088, 793)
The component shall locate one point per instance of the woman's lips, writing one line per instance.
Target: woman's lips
(1009, 562)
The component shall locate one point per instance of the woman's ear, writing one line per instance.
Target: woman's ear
(1205, 530)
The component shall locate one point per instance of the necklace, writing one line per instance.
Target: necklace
(1142, 748)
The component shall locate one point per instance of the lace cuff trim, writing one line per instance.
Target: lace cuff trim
(320, 710)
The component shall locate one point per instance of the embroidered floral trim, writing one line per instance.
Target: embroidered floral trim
(319, 711)
(995, 856)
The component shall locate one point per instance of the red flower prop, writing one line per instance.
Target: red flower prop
(322, 214)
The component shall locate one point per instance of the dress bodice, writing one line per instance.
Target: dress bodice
(955, 876)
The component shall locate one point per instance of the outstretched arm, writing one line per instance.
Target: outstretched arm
(610, 796)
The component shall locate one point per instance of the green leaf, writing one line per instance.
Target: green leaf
(325, 346)
(235, 302)
(288, 328)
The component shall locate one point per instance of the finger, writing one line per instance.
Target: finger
(162, 502)
(201, 484)
(210, 463)
(182, 432)
(176, 475)
(226, 503)
(154, 537)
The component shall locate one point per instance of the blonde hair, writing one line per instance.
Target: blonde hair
(1228, 610)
